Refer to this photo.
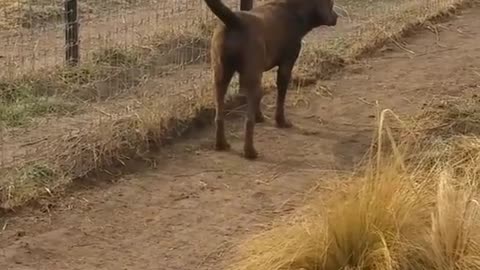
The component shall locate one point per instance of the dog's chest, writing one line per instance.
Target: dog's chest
(281, 49)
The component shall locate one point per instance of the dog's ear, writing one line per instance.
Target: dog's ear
(325, 15)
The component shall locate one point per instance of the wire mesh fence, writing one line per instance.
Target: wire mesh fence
(32, 33)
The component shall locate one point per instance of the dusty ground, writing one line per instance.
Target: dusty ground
(196, 203)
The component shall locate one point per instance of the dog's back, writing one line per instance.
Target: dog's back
(271, 27)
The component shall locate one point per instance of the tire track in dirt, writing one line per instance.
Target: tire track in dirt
(196, 204)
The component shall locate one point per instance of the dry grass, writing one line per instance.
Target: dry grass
(34, 13)
(449, 134)
(117, 139)
(398, 213)
(104, 75)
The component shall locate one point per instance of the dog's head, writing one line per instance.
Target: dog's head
(323, 13)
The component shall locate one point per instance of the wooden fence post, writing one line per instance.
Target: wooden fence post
(246, 4)
(72, 49)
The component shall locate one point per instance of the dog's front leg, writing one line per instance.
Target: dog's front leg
(284, 75)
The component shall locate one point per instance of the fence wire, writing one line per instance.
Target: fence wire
(32, 33)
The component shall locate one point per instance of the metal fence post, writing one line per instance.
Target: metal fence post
(246, 4)
(72, 50)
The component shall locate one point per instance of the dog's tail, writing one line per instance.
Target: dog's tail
(225, 14)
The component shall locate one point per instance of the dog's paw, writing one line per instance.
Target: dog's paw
(222, 146)
(284, 124)
(250, 153)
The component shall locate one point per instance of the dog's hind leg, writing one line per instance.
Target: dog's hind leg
(284, 75)
(251, 81)
(259, 118)
(222, 77)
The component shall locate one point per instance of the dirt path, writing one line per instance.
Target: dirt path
(196, 204)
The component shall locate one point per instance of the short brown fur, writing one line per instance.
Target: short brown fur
(255, 41)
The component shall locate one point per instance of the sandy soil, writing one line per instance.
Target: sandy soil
(196, 204)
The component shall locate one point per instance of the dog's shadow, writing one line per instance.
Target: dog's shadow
(351, 149)
(351, 143)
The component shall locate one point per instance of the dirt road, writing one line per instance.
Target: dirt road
(196, 204)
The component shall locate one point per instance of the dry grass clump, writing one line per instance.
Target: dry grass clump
(382, 223)
(395, 214)
(453, 239)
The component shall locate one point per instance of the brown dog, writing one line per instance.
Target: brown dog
(255, 41)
